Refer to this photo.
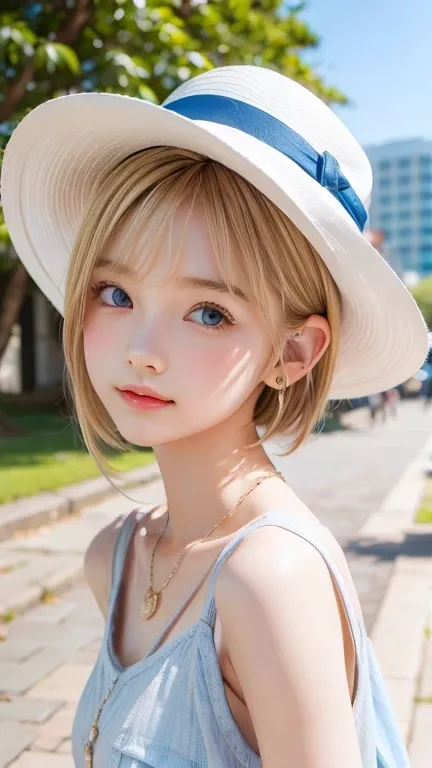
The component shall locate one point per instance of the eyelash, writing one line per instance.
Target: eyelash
(97, 289)
(229, 320)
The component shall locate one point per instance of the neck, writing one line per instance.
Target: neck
(204, 476)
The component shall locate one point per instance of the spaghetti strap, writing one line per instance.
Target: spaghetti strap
(308, 531)
(121, 549)
(124, 538)
(178, 612)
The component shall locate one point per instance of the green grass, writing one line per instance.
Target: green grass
(49, 454)
(8, 617)
(424, 511)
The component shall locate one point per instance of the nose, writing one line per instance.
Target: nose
(144, 353)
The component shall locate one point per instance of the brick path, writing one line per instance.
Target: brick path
(50, 650)
(344, 477)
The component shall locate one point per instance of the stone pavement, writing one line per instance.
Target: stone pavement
(344, 477)
(49, 651)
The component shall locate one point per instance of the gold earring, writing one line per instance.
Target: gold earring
(281, 384)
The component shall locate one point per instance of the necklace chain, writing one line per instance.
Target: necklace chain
(151, 600)
(94, 730)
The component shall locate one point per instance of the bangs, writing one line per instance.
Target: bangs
(142, 201)
(144, 216)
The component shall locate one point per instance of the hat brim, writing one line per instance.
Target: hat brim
(62, 146)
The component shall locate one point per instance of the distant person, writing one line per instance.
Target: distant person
(391, 399)
(428, 393)
(376, 405)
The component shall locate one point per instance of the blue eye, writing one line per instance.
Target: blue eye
(209, 317)
(115, 297)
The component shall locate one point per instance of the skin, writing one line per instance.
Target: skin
(294, 707)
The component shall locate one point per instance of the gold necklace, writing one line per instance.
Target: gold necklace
(94, 730)
(152, 597)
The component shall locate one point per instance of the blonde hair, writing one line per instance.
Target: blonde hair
(245, 228)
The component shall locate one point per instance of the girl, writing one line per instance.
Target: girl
(209, 260)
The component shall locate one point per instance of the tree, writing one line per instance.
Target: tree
(142, 48)
(423, 296)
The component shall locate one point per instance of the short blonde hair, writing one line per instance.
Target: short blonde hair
(245, 228)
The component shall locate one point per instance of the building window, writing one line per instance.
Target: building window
(425, 161)
(425, 178)
(384, 165)
(384, 183)
(404, 162)
(404, 215)
(404, 198)
(426, 231)
(384, 199)
(406, 232)
(405, 251)
(405, 179)
(426, 213)
(386, 217)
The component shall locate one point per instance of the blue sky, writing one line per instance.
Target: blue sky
(379, 52)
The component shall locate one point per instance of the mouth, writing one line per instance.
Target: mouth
(143, 398)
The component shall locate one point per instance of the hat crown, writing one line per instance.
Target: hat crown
(292, 104)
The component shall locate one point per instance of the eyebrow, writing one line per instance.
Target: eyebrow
(186, 281)
(213, 285)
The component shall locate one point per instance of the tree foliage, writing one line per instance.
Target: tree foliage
(142, 48)
(423, 296)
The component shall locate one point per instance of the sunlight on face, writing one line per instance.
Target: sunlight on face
(188, 340)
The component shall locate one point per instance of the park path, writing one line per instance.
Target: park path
(49, 652)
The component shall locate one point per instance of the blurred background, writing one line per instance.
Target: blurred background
(368, 62)
(366, 470)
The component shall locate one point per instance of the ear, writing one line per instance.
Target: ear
(301, 352)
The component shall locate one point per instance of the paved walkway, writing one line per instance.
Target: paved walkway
(50, 650)
(344, 477)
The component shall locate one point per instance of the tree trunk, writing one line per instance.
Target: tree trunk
(11, 305)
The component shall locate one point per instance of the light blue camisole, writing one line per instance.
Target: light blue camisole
(170, 708)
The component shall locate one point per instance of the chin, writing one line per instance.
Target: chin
(146, 435)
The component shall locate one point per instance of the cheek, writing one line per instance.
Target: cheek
(212, 359)
(230, 367)
(99, 340)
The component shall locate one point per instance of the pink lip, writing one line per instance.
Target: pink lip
(143, 398)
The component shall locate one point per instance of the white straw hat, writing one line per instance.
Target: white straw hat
(267, 128)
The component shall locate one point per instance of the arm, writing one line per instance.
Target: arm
(279, 614)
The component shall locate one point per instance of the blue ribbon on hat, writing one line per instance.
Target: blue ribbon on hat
(324, 168)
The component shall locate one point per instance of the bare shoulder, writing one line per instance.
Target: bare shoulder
(98, 561)
(276, 601)
(266, 558)
(272, 555)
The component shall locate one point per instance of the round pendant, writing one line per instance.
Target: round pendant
(150, 604)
